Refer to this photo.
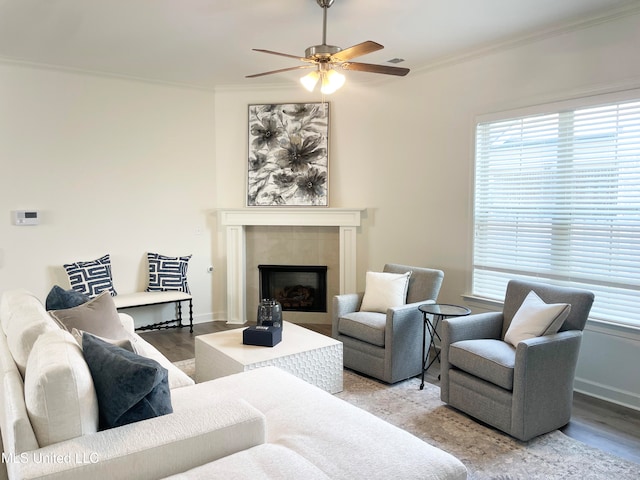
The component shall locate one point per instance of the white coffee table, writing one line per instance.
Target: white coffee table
(306, 354)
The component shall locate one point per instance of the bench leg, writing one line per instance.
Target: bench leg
(175, 323)
(179, 313)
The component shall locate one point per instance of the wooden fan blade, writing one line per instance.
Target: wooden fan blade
(356, 51)
(368, 67)
(279, 71)
(271, 52)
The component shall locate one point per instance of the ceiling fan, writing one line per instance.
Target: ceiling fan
(324, 59)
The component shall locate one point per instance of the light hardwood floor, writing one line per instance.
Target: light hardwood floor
(601, 424)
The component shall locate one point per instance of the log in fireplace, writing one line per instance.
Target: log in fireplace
(301, 288)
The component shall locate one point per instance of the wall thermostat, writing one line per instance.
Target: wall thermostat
(26, 217)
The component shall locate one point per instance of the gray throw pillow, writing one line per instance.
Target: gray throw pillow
(60, 299)
(98, 316)
(130, 388)
(126, 343)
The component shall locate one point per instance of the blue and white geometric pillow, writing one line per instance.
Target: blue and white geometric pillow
(167, 273)
(91, 278)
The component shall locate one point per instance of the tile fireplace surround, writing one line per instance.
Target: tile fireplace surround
(235, 220)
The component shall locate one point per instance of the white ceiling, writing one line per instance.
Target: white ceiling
(207, 43)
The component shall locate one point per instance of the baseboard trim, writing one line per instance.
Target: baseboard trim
(607, 393)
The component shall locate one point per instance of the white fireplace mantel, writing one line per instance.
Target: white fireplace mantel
(235, 221)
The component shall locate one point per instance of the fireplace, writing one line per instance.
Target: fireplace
(300, 288)
(236, 221)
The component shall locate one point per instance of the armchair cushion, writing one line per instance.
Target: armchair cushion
(491, 360)
(366, 326)
(535, 318)
(384, 290)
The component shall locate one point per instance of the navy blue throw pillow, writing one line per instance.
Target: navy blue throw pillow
(167, 273)
(129, 387)
(61, 299)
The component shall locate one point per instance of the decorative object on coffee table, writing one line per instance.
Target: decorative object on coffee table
(262, 335)
(269, 313)
(288, 154)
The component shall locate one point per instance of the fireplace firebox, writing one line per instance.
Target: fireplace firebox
(300, 288)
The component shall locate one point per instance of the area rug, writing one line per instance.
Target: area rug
(187, 366)
(487, 453)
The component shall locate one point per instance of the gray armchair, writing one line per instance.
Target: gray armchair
(386, 346)
(524, 391)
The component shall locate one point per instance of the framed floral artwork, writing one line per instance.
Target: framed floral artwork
(288, 154)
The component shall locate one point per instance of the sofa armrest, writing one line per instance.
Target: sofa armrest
(150, 449)
(127, 322)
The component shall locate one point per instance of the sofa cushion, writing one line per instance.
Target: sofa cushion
(130, 388)
(98, 316)
(535, 318)
(491, 360)
(58, 389)
(91, 277)
(167, 273)
(59, 298)
(13, 301)
(263, 462)
(384, 290)
(27, 322)
(366, 326)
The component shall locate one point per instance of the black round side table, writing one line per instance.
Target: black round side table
(439, 311)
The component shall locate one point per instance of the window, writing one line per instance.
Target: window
(557, 199)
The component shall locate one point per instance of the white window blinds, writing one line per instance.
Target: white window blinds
(557, 199)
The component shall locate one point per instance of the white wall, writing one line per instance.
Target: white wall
(114, 166)
(124, 167)
(404, 150)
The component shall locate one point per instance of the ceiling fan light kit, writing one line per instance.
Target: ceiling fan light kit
(325, 59)
(330, 80)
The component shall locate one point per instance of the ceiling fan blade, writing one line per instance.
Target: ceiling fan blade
(356, 51)
(368, 67)
(279, 71)
(271, 52)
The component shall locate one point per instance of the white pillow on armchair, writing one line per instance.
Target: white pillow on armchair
(385, 290)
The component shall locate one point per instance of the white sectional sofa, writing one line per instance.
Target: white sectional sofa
(262, 424)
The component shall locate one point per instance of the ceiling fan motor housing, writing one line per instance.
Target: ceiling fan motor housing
(321, 52)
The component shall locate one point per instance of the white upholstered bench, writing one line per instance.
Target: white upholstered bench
(143, 299)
